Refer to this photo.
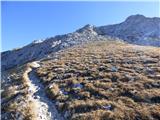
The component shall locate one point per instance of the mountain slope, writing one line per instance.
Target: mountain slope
(37, 50)
(136, 29)
(95, 81)
(104, 80)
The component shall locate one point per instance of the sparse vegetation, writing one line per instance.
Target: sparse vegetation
(53, 91)
(105, 81)
(96, 81)
(15, 103)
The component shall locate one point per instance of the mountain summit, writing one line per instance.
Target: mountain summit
(136, 29)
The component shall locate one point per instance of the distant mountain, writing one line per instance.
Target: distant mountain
(136, 29)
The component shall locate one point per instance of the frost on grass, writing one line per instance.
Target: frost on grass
(105, 80)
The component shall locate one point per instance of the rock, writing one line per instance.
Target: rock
(34, 64)
(102, 68)
(78, 85)
(128, 77)
(114, 69)
(111, 89)
(108, 107)
(149, 70)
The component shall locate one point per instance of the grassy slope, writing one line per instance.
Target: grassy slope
(99, 80)
(105, 80)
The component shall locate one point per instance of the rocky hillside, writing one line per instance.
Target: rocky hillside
(135, 29)
(40, 49)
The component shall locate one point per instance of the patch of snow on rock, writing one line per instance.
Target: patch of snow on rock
(56, 43)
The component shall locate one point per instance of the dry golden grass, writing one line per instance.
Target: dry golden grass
(103, 74)
(96, 81)
(15, 103)
(53, 91)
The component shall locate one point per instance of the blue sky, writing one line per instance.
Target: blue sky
(23, 22)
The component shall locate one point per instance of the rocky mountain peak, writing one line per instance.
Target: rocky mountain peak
(86, 28)
(135, 17)
(136, 29)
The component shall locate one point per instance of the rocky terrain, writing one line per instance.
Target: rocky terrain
(40, 49)
(131, 30)
(136, 29)
(90, 74)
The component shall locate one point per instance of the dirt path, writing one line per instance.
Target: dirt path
(46, 109)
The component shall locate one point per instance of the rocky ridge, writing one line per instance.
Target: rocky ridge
(131, 30)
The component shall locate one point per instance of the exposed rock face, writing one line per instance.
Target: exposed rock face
(135, 29)
(37, 50)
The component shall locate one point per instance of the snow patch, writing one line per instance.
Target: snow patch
(37, 41)
(56, 43)
(34, 64)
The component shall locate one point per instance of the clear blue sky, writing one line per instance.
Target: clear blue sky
(23, 22)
